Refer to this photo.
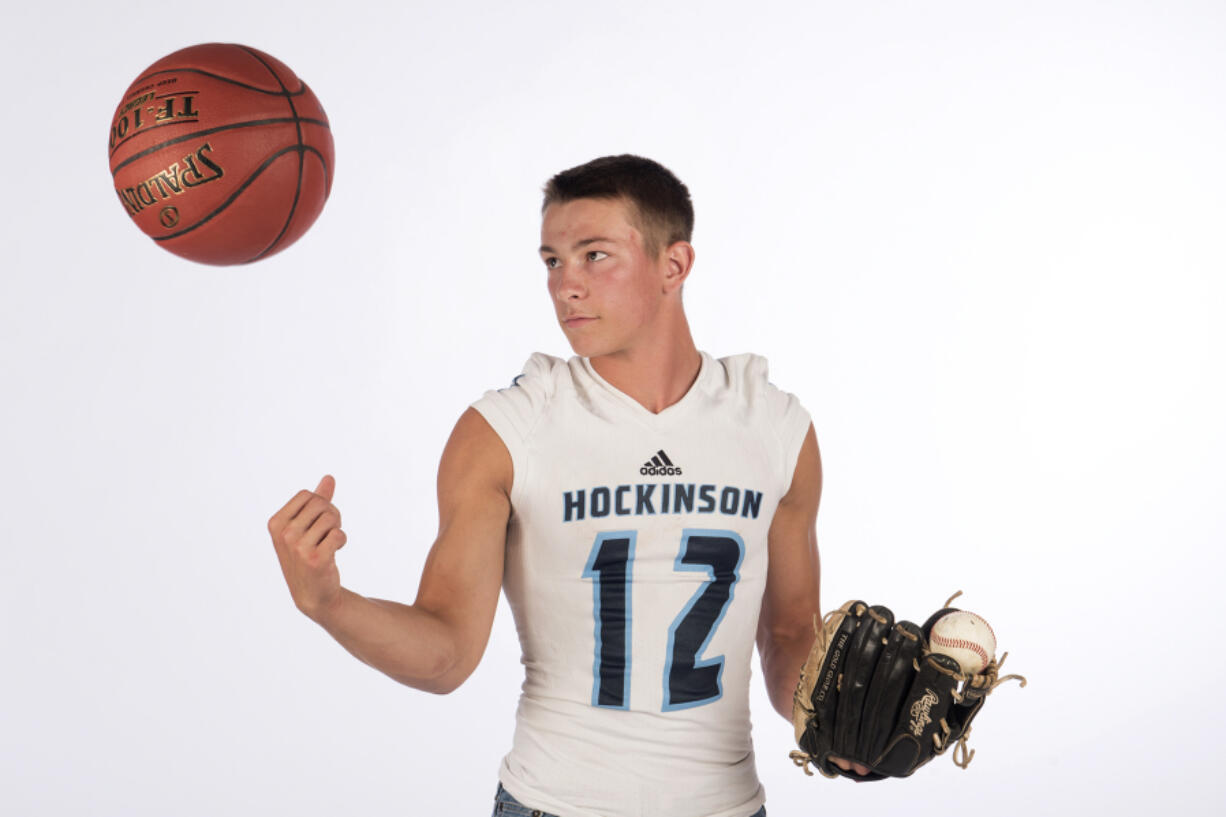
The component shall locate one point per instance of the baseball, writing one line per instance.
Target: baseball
(966, 638)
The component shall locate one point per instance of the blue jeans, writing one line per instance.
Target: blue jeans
(504, 803)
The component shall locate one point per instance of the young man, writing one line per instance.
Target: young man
(648, 510)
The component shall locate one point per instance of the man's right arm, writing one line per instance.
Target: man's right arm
(435, 643)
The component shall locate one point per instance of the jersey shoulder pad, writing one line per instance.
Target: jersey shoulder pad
(514, 410)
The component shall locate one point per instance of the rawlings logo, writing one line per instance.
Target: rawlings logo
(920, 712)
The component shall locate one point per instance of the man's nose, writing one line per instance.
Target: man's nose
(570, 284)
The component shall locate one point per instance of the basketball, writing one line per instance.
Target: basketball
(221, 154)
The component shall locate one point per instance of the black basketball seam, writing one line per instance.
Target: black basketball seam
(298, 128)
(327, 185)
(301, 90)
(204, 73)
(233, 196)
(206, 132)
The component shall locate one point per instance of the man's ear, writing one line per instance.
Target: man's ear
(678, 261)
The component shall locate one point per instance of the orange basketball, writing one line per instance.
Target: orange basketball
(221, 154)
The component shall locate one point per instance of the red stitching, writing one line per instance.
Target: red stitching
(942, 641)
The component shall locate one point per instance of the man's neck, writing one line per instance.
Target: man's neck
(655, 377)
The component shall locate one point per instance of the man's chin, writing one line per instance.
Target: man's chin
(585, 347)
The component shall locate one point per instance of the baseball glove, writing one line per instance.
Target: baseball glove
(872, 692)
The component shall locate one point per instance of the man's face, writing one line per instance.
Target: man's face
(606, 290)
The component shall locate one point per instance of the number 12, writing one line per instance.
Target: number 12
(688, 681)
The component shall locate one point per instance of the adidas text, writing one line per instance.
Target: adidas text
(660, 471)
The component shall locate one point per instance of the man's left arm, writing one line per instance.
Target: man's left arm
(785, 626)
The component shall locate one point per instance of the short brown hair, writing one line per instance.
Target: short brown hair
(659, 199)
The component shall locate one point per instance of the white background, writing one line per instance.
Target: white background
(983, 244)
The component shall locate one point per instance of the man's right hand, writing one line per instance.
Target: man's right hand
(306, 533)
(436, 642)
(850, 766)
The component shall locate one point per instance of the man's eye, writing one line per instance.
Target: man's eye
(596, 255)
(552, 263)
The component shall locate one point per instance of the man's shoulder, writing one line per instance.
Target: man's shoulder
(541, 365)
(747, 376)
(540, 376)
(745, 366)
(747, 373)
(516, 407)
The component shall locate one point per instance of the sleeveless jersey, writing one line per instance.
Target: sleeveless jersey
(635, 565)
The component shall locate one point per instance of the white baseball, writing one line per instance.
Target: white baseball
(966, 638)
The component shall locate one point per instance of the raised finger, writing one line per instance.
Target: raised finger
(326, 522)
(289, 510)
(315, 507)
(334, 541)
(296, 529)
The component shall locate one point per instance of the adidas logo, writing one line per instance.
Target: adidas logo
(660, 465)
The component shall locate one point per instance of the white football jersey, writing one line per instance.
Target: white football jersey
(635, 566)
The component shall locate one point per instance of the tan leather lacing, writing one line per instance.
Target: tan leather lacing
(979, 685)
(961, 749)
(804, 760)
